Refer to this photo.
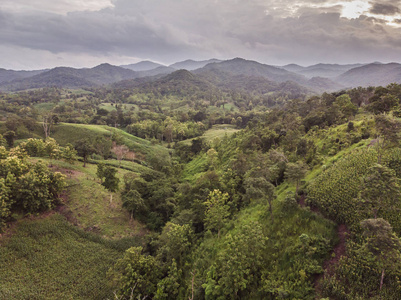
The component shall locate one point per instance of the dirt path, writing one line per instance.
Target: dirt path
(339, 250)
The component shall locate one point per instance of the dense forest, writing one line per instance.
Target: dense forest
(183, 187)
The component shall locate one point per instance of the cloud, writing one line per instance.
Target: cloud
(385, 9)
(302, 31)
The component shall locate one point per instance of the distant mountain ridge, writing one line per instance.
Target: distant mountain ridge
(321, 70)
(145, 65)
(237, 73)
(240, 66)
(191, 65)
(65, 77)
(371, 75)
(9, 75)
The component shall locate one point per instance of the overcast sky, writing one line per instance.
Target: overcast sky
(38, 34)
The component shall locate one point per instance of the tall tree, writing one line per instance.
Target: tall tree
(85, 149)
(380, 190)
(383, 244)
(135, 276)
(217, 210)
(295, 172)
(387, 130)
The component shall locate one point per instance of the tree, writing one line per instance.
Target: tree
(168, 287)
(84, 148)
(260, 187)
(175, 243)
(3, 141)
(133, 202)
(5, 202)
(217, 210)
(383, 244)
(52, 149)
(135, 275)
(110, 180)
(344, 104)
(380, 190)
(69, 154)
(120, 151)
(295, 172)
(10, 137)
(237, 265)
(387, 130)
(100, 171)
(47, 123)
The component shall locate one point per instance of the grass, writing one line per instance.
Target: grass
(90, 206)
(218, 131)
(50, 259)
(68, 133)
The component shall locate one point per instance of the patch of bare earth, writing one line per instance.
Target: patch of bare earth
(338, 251)
(70, 173)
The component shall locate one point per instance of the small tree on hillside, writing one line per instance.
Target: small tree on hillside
(110, 180)
(120, 151)
(10, 137)
(258, 188)
(383, 244)
(135, 276)
(217, 210)
(381, 190)
(388, 134)
(85, 149)
(295, 172)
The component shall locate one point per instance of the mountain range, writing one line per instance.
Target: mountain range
(237, 72)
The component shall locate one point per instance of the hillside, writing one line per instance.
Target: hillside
(192, 64)
(63, 77)
(371, 75)
(145, 65)
(321, 70)
(239, 66)
(9, 75)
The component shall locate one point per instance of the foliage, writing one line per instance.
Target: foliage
(237, 268)
(380, 191)
(371, 269)
(110, 180)
(217, 210)
(135, 275)
(49, 258)
(26, 186)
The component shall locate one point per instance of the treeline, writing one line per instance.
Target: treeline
(26, 187)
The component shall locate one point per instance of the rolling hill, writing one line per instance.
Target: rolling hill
(9, 75)
(371, 75)
(321, 70)
(240, 66)
(192, 64)
(145, 65)
(71, 78)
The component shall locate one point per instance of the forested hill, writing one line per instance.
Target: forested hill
(182, 187)
(316, 78)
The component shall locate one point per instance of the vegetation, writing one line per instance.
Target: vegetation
(189, 188)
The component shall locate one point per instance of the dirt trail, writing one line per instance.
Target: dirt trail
(338, 251)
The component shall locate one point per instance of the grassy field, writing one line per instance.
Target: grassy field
(68, 133)
(91, 207)
(217, 131)
(47, 258)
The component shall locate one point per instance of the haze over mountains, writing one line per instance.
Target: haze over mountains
(244, 74)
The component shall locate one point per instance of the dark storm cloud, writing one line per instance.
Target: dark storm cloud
(386, 9)
(170, 30)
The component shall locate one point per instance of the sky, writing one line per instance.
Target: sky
(37, 34)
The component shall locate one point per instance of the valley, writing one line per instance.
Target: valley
(201, 180)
